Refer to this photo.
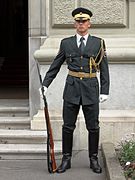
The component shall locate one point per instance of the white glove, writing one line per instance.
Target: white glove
(45, 91)
(103, 97)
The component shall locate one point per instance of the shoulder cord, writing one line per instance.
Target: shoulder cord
(92, 61)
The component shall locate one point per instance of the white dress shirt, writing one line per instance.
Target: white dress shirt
(78, 39)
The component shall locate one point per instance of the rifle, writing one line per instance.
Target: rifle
(51, 163)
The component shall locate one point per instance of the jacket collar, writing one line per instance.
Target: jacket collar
(89, 45)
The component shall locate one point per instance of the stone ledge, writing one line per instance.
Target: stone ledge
(103, 114)
(115, 115)
(119, 49)
(111, 122)
(113, 168)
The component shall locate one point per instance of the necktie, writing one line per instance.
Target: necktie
(82, 45)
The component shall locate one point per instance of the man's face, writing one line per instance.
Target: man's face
(82, 26)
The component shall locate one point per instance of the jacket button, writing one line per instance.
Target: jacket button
(81, 57)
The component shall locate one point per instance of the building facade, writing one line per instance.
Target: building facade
(48, 22)
(113, 21)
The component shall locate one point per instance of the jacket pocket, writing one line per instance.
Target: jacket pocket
(93, 83)
(71, 57)
(70, 80)
(95, 86)
(68, 90)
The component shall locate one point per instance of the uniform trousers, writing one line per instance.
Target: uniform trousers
(70, 113)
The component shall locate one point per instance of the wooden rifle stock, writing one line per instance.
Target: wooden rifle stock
(51, 163)
(50, 143)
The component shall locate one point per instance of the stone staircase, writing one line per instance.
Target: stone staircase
(16, 138)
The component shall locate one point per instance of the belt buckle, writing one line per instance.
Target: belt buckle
(81, 74)
(90, 75)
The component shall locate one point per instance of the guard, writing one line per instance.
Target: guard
(85, 57)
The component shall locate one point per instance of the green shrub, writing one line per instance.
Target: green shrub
(127, 155)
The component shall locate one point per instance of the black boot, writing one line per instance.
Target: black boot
(93, 150)
(94, 165)
(65, 164)
(67, 141)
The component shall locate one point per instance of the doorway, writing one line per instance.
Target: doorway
(14, 53)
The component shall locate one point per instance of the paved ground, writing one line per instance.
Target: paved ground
(37, 169)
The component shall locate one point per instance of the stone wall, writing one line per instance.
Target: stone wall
(106, 13)
(113, 21)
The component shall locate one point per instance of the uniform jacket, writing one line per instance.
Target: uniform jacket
(85, 90)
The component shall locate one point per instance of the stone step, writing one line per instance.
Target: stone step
(14, 111)
(15, 123)
(25, 136)
(28, 148)
(28, 151)
(14, 107)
